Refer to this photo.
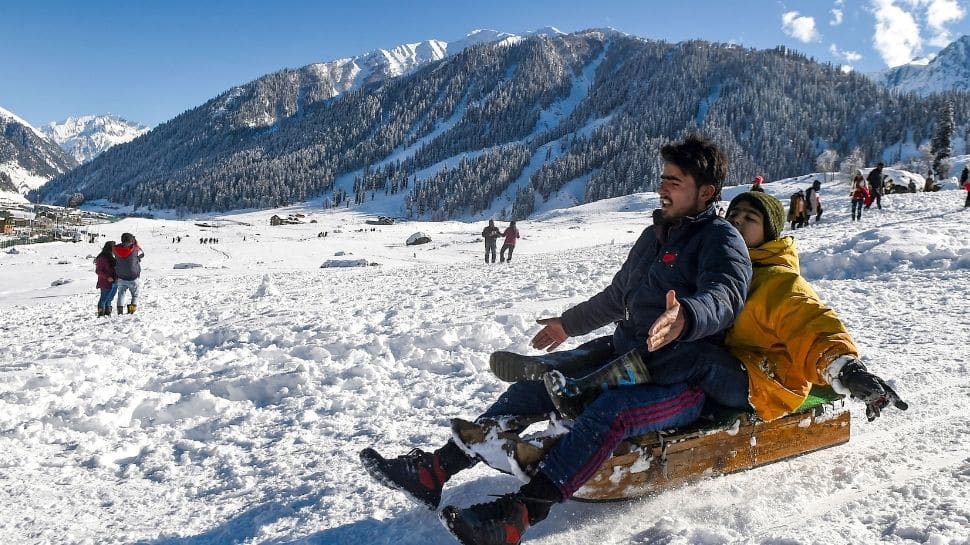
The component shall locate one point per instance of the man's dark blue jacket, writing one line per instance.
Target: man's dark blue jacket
(703, 258)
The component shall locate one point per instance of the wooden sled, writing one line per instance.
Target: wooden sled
(723, 443)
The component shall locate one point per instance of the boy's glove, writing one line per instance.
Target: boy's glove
(870, 389)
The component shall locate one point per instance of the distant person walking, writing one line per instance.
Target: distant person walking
(756, 184)
(965, 183)
(797, 210)
(511, 233)
(491, 234)
(128, 269)
(859, 195)
(876, 186)
(104, 267)
(814, 202)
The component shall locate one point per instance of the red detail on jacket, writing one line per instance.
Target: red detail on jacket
(669, 258)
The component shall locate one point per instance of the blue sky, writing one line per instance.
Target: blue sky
(150, 60)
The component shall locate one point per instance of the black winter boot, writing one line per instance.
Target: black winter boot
(107, 310)
(100, 312)
(420, 474)
(501, 522)
(512, 367)
(121, 310)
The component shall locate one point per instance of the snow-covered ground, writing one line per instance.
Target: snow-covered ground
(230, 408)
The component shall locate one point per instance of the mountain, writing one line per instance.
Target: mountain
(85, 137)
(949, 70)
(28, 159)
(502, 126)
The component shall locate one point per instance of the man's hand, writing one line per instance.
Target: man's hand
(668, 326)
(870, 389)
(551, 336)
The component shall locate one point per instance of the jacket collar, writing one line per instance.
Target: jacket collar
(663, 226)
(781, 252)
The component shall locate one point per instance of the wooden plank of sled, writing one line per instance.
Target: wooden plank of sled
(651, 463)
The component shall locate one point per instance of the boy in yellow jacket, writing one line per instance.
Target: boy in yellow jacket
(785, 336)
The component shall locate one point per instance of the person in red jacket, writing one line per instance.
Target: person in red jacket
(128, 257)
(511, 233)
(859, 194)
(104, 267)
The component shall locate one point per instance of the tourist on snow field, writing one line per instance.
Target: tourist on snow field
(490, 233)
(786, 337)
(859, 196)
(104, 267)
(511, 233)
(756, 184)
(679, 289)
(128, 269)
(814, 202)
(798, 210)
(876, 186)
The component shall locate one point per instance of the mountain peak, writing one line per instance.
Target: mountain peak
(87, 136)
(948, 70)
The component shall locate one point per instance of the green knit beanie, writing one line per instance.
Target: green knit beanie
(770, 207)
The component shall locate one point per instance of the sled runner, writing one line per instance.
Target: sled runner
(722, 442)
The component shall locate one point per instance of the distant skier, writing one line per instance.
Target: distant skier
(490, 233)
(877, 186)
(511, 233)
(128, 257)
(104, 267)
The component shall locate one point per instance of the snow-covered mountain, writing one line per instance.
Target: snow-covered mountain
(85, 137)
(257, 104)
(28, 159)
(949, 70)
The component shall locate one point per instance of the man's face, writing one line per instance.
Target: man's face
(749, 222)
(679, 194)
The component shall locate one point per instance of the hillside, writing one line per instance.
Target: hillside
(501, 128)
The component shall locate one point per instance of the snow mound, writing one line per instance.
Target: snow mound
(267, 289)
(331, 263)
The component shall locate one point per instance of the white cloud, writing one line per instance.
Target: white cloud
(940, 13)
(837, 17)
(849, 56)
(897, 37)
(799, 26)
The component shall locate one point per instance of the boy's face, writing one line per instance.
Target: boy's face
(679, 194)
(749, 222)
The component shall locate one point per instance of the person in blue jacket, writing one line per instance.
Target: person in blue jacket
(680, 288)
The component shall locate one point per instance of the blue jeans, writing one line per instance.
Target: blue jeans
(857, 207)
(125, 285)
(615, 415)
(107, 294)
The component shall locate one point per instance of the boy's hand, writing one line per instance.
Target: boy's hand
(668, 327)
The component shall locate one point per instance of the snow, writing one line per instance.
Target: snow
(22, 178)
(230, 408)
(17, 119)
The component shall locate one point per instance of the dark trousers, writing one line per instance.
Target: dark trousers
(489, 249)
(857, 208)
(508, 247)
(967, 204)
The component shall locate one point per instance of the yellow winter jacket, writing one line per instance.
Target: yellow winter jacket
(784, 335)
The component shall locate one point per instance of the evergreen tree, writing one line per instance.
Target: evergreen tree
(941, 140)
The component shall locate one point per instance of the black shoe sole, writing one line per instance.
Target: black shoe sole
(371, 460)
(512, 367)
(450, 519)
